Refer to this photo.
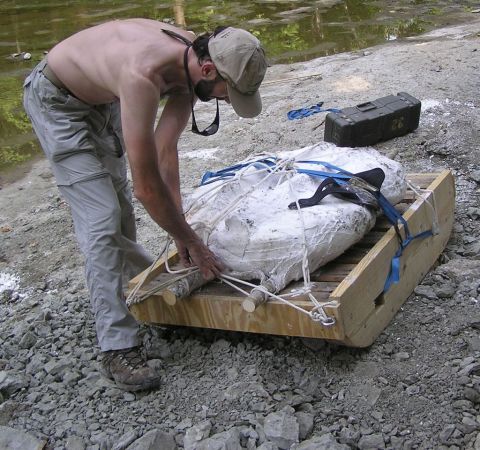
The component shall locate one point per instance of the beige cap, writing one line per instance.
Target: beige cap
(240, 60)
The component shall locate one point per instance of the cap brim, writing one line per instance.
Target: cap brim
(245, 105)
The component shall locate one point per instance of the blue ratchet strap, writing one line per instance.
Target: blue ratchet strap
(341, 173)
(305, 112)
(228, 172)
(394, 217)
(322, 174)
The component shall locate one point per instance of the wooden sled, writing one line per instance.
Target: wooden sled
(355, 281)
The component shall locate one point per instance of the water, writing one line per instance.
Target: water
(290, 31)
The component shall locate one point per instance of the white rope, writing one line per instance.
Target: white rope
(430, 203)
(225, 279)
(156, 289)
(322, 316)
(216, 187)
(133, 296)
(313, 313)
(186, 270)
(213, 191)
(208, 228)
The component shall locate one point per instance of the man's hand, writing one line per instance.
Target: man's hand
(198, 254)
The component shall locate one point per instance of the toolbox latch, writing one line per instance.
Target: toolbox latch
(367, 106)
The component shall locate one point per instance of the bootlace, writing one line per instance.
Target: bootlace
(132, 358)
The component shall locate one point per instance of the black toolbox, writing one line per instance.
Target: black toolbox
(372, 122)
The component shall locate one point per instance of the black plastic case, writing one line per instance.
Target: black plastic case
(372, 122)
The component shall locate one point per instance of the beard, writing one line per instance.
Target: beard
(203, 90)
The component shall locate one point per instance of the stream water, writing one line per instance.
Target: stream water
(290, 31)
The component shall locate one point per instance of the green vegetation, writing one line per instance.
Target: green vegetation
(14, 123)
(10, 156)
(13, 119)
(435, 11)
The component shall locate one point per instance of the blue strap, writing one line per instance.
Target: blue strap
(320, 173)
(305, 112)
(394, 273)
(228, 172)
(341, 173)
(328, 166)
(394, 217)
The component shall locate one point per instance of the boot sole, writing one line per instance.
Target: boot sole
(129, 387)
(137, 387)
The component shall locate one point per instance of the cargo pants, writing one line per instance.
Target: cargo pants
(85, 148)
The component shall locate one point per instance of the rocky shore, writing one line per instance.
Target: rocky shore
(417, 386)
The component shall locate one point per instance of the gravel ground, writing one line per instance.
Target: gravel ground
(417, 386)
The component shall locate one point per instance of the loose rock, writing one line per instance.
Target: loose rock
(11, 439)
(282, 428)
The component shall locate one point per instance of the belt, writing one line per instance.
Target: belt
(50, 76)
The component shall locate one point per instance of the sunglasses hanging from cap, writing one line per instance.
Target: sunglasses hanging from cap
(213, 127)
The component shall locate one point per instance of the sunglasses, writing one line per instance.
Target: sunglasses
(213, 127)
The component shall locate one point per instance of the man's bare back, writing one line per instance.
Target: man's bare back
(94, 63)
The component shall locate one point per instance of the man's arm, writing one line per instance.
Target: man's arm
(139, 99)
(172, 122)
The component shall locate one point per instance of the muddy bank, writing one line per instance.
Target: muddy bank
(418, 386)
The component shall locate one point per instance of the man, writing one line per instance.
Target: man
(97, 95)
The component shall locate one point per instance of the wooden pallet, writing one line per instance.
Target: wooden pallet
(355, 281)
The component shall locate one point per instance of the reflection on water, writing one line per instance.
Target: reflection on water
(295, 30)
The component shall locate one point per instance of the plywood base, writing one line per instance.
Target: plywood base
(354, 281)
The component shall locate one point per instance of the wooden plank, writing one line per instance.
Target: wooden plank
(369, 276)
(354, 282)
(226, 314)
(373, 270)
(352, 256)
(421, 180)
(370, 239)
(332, 272)
(316, 286)
(382, 222)
(156, 270)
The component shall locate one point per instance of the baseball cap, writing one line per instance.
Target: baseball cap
(240, 60)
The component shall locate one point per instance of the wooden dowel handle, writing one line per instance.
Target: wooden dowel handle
(255, 299)
(183, 288)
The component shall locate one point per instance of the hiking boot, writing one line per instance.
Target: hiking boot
(129, 369)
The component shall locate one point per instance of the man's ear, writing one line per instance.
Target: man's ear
(209, 71)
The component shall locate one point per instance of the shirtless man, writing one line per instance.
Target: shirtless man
(98, 95)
